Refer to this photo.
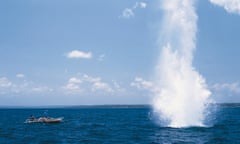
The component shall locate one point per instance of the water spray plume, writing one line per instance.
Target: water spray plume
(183, 95)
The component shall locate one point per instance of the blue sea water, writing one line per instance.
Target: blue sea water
(113, 125)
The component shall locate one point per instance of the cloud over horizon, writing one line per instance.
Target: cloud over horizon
(130, 12)
(79, 85)
(142, 84)
(5, 83)
(23, 87)
(231, 6)
(79, 54)
(20, 75)
(226, 92)
(227, 87)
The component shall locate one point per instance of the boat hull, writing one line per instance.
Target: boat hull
(45, 120)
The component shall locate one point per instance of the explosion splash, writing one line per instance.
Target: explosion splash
(183, 95)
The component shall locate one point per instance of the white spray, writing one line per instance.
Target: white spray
(183, 95)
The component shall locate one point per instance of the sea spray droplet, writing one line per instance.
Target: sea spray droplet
(183, 95)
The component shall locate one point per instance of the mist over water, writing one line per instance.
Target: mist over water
(183, 96)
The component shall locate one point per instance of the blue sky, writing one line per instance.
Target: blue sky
(70, 52)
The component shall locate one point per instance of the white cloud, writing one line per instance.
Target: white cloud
(143, 4)
(87, 84)
(41, 89)
(127, 13)
(98, 85)
(79, 54)
(74, 80)
(23, 87)
(117, 87)
(101, 57)
(140, 83)
(20, 75)
(140, 5)
(73, 86)
(130, 12)
(91, 79)
(226, 92)
(231, 6)
(5, 83)
(228, 87)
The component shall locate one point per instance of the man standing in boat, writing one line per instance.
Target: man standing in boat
(45, 114)
(32, 117)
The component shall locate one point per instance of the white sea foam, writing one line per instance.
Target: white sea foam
(183, 96)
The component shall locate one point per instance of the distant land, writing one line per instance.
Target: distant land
(98, 106)
(80, 106)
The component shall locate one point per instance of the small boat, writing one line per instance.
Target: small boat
(44, 120)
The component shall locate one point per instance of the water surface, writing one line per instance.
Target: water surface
(113, 125)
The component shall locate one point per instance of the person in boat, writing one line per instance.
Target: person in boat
(44, 117)
(45, 114)
(32, 118)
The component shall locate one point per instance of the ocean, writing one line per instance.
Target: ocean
(113, 125)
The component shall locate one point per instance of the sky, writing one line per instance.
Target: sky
(87, 52)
